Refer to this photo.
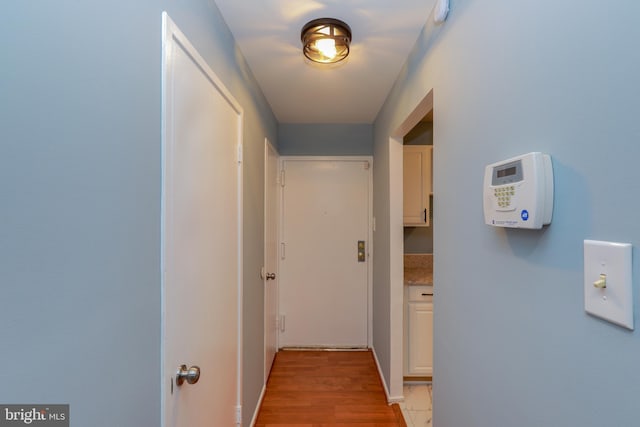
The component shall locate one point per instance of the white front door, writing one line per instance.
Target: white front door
(271, 256)
(201, 194)
(323, 283)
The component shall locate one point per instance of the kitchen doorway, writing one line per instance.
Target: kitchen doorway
(396, 247)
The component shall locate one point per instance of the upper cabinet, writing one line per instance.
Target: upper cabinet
(417, 185)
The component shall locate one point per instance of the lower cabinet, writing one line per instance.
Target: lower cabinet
(418, 331)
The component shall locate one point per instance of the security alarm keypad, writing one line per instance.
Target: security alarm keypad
(505, 184)
(518, 192)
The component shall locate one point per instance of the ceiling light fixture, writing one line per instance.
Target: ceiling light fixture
(326, 40)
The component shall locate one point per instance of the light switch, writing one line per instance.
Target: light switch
(608, 282)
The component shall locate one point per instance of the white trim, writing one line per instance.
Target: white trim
(240, 253)
(258, 406)
(370, 259)
(396, 267)
(390, 399)
(369, 219)
(168, 27)
(414, 117)
(396, 241)
(269, 146)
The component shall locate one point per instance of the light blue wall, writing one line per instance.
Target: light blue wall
(513, 345)
(331, 139)
(80, 191)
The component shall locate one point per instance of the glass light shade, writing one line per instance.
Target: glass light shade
(326, 40)
(327, 48)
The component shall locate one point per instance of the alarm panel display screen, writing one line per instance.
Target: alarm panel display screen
(507, 173)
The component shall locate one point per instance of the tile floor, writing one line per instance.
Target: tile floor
(416, 407)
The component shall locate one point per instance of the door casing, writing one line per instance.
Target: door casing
(271, 229)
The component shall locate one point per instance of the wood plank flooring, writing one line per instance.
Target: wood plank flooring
(326, 388)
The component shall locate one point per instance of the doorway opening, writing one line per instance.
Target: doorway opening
(423, 113)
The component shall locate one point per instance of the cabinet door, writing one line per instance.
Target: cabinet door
(420, 338)
(417, 184)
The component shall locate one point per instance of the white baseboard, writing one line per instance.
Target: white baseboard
(390, 399)
(258, 406)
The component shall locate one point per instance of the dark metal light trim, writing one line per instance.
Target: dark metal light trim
(325, 28)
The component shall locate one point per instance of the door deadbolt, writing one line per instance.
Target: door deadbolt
(361, 251)
(191, 375)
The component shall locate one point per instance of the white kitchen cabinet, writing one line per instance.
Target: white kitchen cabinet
(417, 185)
(419, 331)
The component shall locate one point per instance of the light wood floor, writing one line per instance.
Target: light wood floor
(326, 388)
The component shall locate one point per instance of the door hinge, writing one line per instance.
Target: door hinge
(282, 178)
(282, 248)
(239, 415)
(282, 320)
(239, 153)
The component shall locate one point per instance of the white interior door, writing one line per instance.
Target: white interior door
(323, 285)
(200, 238)
(271, 257)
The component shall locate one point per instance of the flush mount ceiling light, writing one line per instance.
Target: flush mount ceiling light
(326, 40)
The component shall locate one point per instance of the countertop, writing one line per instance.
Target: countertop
(418, 269)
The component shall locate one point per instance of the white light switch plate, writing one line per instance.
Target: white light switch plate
(615, 301)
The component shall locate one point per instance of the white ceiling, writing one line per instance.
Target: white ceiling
(268, 33)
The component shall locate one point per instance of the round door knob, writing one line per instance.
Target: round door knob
(271, 276)
(191, 375)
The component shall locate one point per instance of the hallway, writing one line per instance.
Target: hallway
(326, 388)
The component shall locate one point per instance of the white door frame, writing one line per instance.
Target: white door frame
(396, 249)
(369, 231)
(171, 35)
(278, 197)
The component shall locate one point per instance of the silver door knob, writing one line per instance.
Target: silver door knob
(271, 276)
(191, 375)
